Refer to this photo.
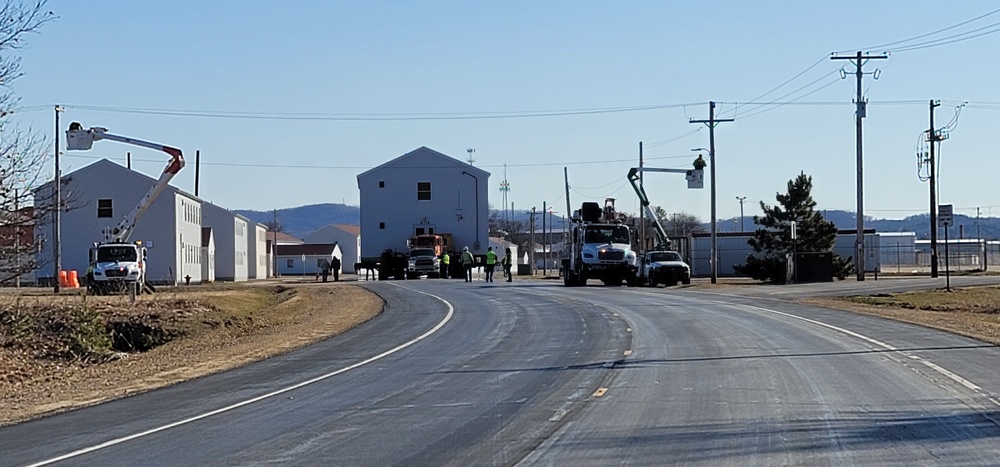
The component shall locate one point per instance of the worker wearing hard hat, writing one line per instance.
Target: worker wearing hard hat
(467, 262)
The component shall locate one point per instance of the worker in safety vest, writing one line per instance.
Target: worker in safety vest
(445, 261)
(467, 261)
(491, 262)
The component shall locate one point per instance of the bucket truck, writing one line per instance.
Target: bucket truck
(660, 264)
(115, 262)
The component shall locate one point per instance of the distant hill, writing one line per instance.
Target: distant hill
(305, 219)
(302, 220)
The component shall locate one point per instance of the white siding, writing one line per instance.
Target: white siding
(81, 227)
(230, 242)
(257, 251)
(349, 243)
(188, 220)
(390, 210)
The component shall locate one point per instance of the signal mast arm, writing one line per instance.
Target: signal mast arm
(79, 139)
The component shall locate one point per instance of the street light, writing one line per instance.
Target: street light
(741, 199)
(714, 248)
(475, 246)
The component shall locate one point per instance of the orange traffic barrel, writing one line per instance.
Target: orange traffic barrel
(74, 279)
(63, 278)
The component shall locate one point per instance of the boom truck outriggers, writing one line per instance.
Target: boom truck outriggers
(116, 263)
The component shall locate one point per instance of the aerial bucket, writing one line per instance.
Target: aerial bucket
(78, 139)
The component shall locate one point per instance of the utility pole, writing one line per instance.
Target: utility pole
(545, 251)
(741, 199)
(57, 213)
(531, 242)
(859, 61)
(711, 123)
(933, 137)
(979, 239)
(642, 220)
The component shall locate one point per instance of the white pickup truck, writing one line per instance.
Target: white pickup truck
(663, 267)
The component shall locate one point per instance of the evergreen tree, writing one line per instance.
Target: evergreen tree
(773, 241)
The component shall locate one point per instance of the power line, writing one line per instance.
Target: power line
(921, 36)
(345, 167)
(372, 117)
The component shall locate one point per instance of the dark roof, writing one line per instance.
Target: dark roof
(306, 249)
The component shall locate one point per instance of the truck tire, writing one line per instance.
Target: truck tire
(630, 281)
(686, 281)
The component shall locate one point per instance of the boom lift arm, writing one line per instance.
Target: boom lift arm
(633, 178)
(81, 140)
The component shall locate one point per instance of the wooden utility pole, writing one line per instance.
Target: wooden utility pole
(933, 137)
(712, 122)
(859, 61)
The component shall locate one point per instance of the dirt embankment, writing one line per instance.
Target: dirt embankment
(63, 352)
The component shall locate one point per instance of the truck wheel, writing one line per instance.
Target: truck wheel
(569, 279)
(686, 281)
(630, 281)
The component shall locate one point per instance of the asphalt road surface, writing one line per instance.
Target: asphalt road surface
(533, 373)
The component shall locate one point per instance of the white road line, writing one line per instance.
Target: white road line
(80, 452)
(954, 377)
(933, 366)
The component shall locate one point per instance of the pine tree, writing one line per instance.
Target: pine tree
(773, 241)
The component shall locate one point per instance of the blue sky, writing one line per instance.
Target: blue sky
(289, 101)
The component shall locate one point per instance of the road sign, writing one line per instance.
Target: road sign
(945, 215)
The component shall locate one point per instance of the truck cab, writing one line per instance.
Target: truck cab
(116, 266)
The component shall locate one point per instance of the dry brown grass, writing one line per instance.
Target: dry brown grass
(206, 331)
(972, 311)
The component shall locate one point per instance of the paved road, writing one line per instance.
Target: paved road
(534, 373)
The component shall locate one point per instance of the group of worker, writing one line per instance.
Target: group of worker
(469, 262)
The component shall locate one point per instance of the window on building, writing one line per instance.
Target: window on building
(289, 263)
(418, 231)
(104, 208)
(381, 225)
(423, 191)
(381, 184)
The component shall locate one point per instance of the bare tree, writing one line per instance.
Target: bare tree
(678, 224)
(23, 152)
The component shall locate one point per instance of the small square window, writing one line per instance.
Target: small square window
(104, 208)
(423, 191)
(381, 225)
(381, 184)
(289, 263)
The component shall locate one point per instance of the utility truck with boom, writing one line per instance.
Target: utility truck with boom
(661, 265)
(600, 247)
(115, 263)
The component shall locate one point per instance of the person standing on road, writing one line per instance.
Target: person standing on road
(507, 262)
(445, 264)
(491, 262)
(335, 266)
(467, 261)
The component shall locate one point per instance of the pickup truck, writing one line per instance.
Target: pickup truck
(422, 261)
(663, 267)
